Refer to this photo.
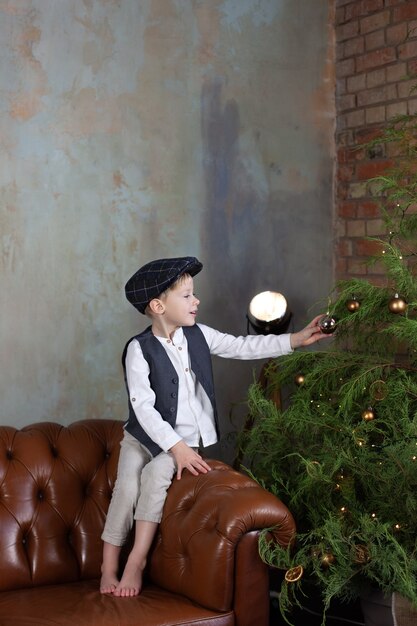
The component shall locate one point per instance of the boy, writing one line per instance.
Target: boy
(172, 406)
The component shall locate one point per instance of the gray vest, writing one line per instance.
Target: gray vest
(164, 379)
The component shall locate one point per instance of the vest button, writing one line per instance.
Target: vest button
(175, 380)
(172, 409)
(173, 394)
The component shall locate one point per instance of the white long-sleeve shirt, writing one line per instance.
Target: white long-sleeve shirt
(195, 418)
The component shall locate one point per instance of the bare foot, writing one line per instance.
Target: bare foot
(131, 582)
(108, 583)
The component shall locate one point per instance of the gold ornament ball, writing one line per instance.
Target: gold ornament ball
(397, 304)
(299, 379)
(327, 559)
(353, 305)
(368, 415)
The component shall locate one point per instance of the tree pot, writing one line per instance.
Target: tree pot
(405, 613)
(377, 608)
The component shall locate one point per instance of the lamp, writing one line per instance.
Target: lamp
(268, 313)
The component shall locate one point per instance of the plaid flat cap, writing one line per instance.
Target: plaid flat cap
(154, 277)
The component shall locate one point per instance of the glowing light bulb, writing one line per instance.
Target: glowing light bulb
(268, 306)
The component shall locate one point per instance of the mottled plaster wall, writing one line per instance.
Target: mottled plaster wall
(133, 130)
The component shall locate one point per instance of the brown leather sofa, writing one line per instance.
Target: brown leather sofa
(204, 569)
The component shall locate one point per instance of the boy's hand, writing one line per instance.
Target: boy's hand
(309, 335)
(186, 458)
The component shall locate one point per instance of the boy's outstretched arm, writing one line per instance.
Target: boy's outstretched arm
(308, 335)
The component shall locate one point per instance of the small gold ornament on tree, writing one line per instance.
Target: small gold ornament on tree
(327, 559)
(397, 304)
(299, 380)
(368, 415)
(353, 304)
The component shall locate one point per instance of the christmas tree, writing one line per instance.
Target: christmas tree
(342, 452)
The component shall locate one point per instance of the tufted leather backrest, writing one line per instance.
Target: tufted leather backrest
(55, 488)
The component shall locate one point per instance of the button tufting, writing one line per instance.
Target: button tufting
(40, 495)
(9, 455)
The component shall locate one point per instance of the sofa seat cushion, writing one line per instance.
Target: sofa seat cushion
(81, 604)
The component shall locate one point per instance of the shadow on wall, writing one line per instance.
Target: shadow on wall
(239, 238)
(228, 209)
(230, 242)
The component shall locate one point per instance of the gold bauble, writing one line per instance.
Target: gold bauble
(368, 415)
(327, 559)
(294, 574)
(299, 379)
(397, 304)
(353, 305)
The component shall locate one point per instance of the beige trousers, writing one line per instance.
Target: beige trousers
(140, 489)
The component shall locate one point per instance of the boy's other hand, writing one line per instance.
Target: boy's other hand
(308, 335)
(186, 458)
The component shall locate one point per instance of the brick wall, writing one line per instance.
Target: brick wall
(376, 57)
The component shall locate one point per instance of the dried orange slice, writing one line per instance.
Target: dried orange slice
(294, 574)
